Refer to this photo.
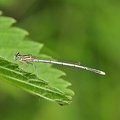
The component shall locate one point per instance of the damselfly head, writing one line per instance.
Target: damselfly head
(16, 56)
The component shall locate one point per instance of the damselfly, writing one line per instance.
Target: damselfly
(29, 59)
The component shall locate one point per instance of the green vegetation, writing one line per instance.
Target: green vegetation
(10, 37)
(75, 31)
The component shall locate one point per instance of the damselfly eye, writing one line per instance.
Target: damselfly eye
(16, 55)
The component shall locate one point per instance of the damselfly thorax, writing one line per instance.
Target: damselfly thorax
(24, 58)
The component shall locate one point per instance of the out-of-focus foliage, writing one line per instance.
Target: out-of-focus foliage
(86, 31)
(7, 2)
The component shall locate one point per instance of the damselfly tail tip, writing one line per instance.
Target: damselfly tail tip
(103, 73)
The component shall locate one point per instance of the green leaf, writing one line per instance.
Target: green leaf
(48, 85)
(30, 83)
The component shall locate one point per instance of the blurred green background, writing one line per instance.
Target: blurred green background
(77, 30)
